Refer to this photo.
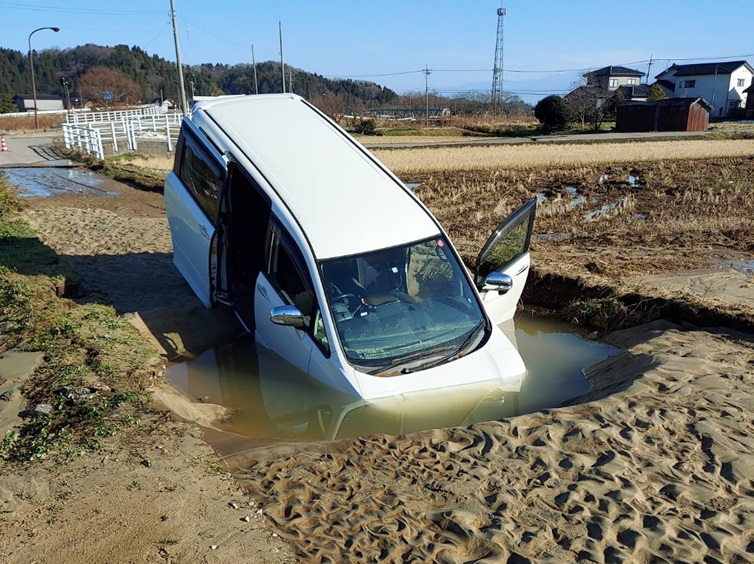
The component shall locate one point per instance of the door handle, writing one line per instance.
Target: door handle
(522, 270)
(203, 231)
(262, 291)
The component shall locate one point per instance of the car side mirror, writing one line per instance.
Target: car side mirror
(498, 281)
(288, 315)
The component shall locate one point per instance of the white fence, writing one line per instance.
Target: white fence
(86, 139)
(122, 129)
(115, 115)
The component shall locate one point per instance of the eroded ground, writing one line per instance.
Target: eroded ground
(657, 465)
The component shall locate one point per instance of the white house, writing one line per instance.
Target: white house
(613, 77)
(722, 84)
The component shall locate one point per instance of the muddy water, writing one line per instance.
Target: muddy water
(270, 399)
(39, 182)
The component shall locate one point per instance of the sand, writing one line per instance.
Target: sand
(658, 466)
(655, 464)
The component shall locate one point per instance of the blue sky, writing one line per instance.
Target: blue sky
(391, 41)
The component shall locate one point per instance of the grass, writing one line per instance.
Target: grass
(26, 123)
(96, 365)
(681, 214)
(506, 157)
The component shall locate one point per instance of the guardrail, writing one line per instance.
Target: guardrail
(87, 139)
(121, 130)
(115, 115)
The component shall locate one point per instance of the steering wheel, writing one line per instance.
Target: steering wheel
(346, 299)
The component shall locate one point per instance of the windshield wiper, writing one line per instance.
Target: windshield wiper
(420, 354)
(456, 351)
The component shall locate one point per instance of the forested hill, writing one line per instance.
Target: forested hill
(152, 77)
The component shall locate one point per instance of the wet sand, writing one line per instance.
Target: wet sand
(658, 466)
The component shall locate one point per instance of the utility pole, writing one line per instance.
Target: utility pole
(427, 72)
(282, 62)
(254, 64)
(649, 68)
(182, 101)
(497, 69)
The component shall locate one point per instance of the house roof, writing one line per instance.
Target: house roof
(636, 91)
(667, 85)
(670, 102)
(724, 67)
(750, 88)
(615, 71)
(39, 97)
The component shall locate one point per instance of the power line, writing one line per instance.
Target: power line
(72, 10)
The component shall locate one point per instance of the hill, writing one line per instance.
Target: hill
(156, 78)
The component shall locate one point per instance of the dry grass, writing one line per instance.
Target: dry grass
(372, 140)
(164, 163)
(506, 157)
(26, 123)
(680, 213)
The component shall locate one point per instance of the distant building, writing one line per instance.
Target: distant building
(722, 84)
(750, 100)
(45, 102)
(669, 114)
(613, 77)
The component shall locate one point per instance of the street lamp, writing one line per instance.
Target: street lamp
(31, 65)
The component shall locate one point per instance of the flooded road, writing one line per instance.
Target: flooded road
(39, 182)
(270, 399)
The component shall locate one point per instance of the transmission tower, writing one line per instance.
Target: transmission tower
(497, 70)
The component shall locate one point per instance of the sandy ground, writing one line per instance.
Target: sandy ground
(158, 493)
(657, 464)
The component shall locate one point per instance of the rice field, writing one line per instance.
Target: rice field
(502, 157)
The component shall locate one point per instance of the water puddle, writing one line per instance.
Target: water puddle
(269, 399)
(44, 182)
(744, 266)
(603, 211)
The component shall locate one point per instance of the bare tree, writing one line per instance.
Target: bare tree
(107, 87)
(591, 104)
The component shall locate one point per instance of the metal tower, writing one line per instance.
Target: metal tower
(497, 70)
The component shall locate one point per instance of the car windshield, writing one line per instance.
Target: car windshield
(404, 308)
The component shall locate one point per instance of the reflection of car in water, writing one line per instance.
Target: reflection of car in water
(270, 398)
(330, 260)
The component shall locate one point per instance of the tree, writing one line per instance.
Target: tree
(7, 105)
(553, 112)
(106, 86)
(656, 92)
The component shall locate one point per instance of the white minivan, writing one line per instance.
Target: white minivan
(330, 260)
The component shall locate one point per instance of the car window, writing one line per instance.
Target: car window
(202, 176)
(288, 273)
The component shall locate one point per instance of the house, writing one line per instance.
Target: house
(750, 100)
(613, 77)
(45, 102)
(669, 114)
(602, 84)
(722, 84)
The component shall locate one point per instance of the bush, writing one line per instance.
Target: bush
(365, 127)
(553, 112)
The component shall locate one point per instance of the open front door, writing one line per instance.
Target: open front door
(506, 252)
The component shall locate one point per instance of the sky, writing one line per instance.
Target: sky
(548, 44)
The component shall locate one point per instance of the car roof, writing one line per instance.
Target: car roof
(344, 201)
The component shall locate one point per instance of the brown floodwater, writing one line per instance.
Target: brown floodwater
(270, 399)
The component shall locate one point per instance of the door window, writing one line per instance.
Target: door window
(201, 174)
(508, 243)
(288, 273)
